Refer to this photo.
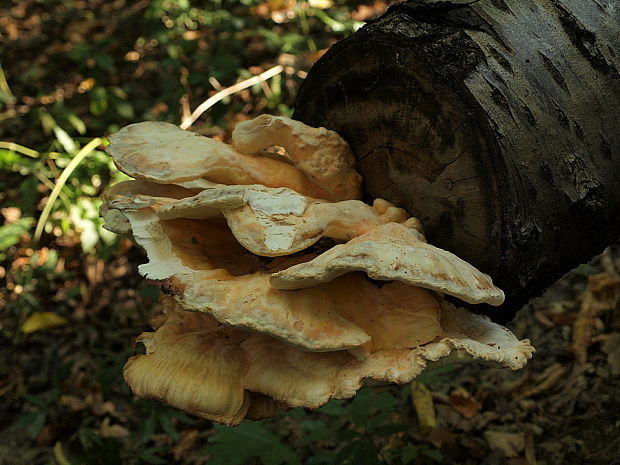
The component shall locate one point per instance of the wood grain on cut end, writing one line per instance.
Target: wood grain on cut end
(502, 145)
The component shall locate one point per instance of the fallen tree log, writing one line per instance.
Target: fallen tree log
(494, 122)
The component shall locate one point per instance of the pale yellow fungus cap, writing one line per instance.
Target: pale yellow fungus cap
(279, 221)
(395, 252)
(164, 153)
(260, 315)
(225, 374)
(318, 152)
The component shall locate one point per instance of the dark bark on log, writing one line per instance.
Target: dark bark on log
(496, 123)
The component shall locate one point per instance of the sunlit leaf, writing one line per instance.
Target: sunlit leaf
(124, 110)
(47, 121)
(62, 179)
(11, 233)
(19, 149)
(77, 123)
(65, 139)
(98, 101)
(59, 455)
(40, 321)
(424, 407)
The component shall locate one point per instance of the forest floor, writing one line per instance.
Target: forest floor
(63, 386)
(72, 303)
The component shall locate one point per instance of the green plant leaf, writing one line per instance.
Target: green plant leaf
(408, 453)
(32, 422)
(433, 454)
(317, 430)
(76, 122)
(149, 427)
(98, 101)
(167, 426)
(233, 446)
(65, 139)
(370, 408)
(358, 452)
(11, 233)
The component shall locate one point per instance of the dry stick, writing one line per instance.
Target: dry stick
(204, 106)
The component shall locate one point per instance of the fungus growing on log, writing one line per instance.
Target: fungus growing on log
(395, 252)
(163, 153)
(279, 221)
(260, 314)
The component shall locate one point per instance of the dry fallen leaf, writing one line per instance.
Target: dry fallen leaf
(424, 408)
(73, 402)
(441, 436)
(112, 431)
(612, 348)
(185, 445)
(11, 214)
(464, 403)
(511, 444)
(543, 382)
(39, 321)
(601, 295)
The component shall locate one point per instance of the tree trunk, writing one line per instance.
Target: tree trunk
(494, 122)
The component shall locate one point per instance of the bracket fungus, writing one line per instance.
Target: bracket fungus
(270, 271)
(279, 221)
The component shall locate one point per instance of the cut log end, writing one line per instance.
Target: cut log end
(450, 123)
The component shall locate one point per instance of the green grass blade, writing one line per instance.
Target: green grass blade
(62, 179)
(19, 149)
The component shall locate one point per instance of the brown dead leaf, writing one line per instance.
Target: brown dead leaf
(530, 456)
(106, 430)
(511, 444)
(564, 320)
(602, 294)
(93, 268)
(99, 407)
(364, 12)
(605, 290)
(185, 445)
(73, 402)
(11, 214)
(475, 446)
(607, 262)
(452, 419)
(517, 461)
(47, 435)
(464, 403)
(611, 347)
(481, 420)
(543, 319)
(543, 382)
(440, 437)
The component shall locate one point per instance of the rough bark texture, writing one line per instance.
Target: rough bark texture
(495, 122)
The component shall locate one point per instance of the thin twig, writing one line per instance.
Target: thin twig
(204, 106)
(12, 146)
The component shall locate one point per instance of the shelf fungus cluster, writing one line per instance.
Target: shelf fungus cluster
(281, 288)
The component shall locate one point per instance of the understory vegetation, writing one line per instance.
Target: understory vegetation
(72, 303)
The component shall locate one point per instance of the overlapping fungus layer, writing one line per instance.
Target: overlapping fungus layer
(280, 287)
